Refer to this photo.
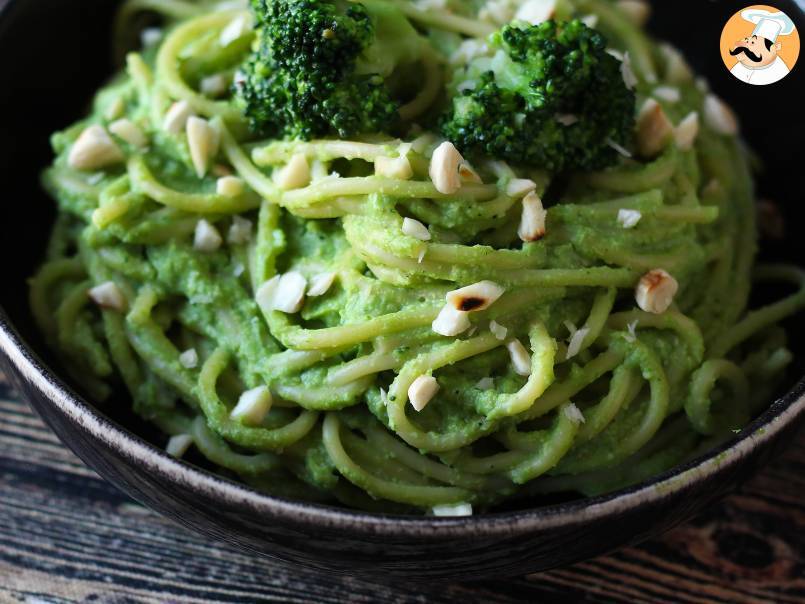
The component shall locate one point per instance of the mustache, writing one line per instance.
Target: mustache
(743, 49)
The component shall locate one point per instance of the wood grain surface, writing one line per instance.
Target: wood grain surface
(66, 536)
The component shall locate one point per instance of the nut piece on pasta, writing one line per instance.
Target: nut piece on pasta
(458, 509)
(532, 221)
(656, 290)
(628, 219)
(521, 359)
(94, 149)
(450, 321)
(687, 131)
(253, 406)
(498, 330)
(285, 293)
(189, 359)
(468, 173)
(422, 390)
(444, 168)
(109, 296)
(475, 297)
(519, 187)
(129, 132)
(230, 186)
(654, 129)
(394, 167)
(414, 228)
(719, 117)
(203, 141)
(240, 232)
(206, 238)
(535, 12)
(178, 445)
(294, 175)
(321, 284)
(177, 116)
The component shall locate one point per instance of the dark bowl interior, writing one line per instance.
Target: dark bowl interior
(55, 53)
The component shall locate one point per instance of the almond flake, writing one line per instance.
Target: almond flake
(422, 390)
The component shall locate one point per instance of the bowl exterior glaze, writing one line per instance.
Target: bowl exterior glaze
(330, 539)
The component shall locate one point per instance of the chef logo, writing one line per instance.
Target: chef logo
(760, 45)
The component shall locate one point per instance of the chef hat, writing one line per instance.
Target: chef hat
(767, 24)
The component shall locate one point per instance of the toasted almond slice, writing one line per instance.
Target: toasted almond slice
(486, 383)
(94, 149)
(203, 141)
(285, 293)
(532, 220)
(521, 359)
(654, 129)
(214, 85)
(129, 132)
(719, 117)
(475, 297)
(295, 174)
(458, 509)
(498, 330)
(576, 342)
(669, 94)
(240, 231)
(177, 116)
(189, 359)
(520, 187)
(178, 445)
(206, 238)
(451, 322)
(422, 390)
(536, 11)
(677, 70)
(444, 165)
(468, 173)
(109, 296)
(321, 284)
(230, 186)
(414, 228)
(253, 406)
(655, 292)
(687, 131)
(394, 167)
(627, 73)
(573, 413)
(628, 219)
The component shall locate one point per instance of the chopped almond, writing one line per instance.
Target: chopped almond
(476, 297)
(655, 292)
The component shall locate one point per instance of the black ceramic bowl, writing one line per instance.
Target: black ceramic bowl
(54, 53)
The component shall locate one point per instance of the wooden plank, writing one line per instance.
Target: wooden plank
(66, 536)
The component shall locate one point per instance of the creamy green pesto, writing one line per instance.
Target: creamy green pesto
(174, 263)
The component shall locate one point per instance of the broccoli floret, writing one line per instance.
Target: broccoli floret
(548, 95)
(321, 67)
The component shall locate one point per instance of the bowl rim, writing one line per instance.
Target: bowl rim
(781, 413)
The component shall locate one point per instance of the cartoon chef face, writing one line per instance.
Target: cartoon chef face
(755, 51)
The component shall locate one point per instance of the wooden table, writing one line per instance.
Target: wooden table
(67, 536)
